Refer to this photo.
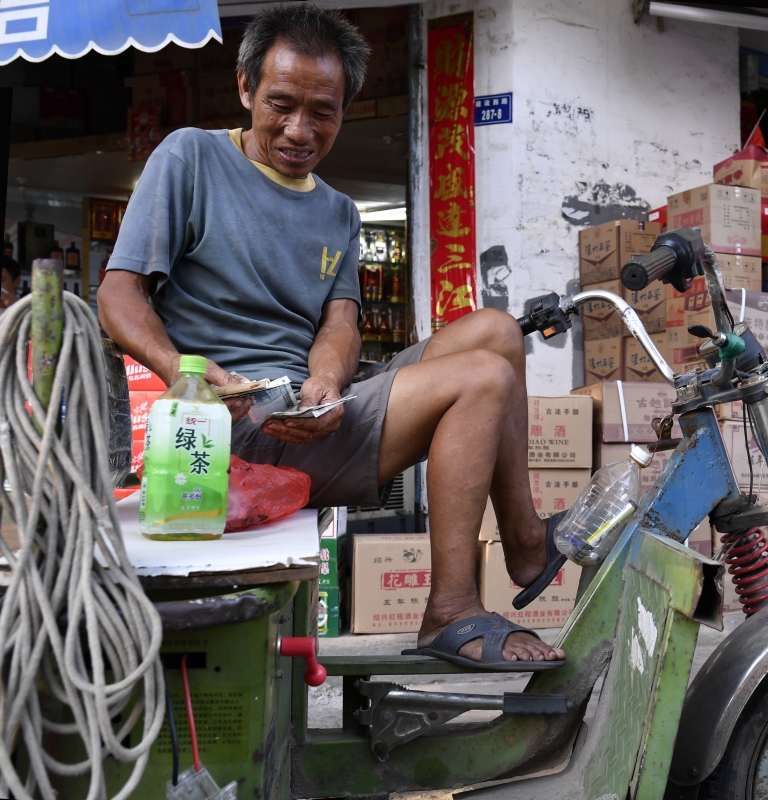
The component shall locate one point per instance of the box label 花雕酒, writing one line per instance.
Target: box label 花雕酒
(391, 581)
(559, 432)
(549, 610)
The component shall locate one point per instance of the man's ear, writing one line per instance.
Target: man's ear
(17, 282)
(245, 90)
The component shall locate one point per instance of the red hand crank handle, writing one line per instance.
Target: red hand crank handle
(304, 647)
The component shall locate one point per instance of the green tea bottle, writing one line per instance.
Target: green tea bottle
(186, 458)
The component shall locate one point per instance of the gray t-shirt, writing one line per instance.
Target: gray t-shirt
(245, 264)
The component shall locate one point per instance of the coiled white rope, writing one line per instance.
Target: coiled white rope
(69, 514)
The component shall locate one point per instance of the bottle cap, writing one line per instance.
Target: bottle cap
(642, 457)
(193, 365)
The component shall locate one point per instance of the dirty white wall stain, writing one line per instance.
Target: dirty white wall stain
(596, 97)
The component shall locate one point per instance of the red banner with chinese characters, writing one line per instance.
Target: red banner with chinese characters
(451, 92)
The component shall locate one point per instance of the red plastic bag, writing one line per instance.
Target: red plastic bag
(261, 493)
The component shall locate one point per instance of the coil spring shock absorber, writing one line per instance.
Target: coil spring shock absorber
(747, 559)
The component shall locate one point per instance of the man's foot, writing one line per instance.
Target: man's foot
(519, 646)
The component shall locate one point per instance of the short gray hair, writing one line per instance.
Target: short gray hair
(309, 30)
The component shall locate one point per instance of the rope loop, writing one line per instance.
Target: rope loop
(102, 666)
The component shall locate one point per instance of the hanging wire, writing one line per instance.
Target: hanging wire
(174, 736)
(99, 662)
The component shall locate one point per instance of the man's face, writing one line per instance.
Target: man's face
(296, 110)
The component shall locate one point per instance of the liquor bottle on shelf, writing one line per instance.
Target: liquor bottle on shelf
(398, 328)
(368, 332)
(72, 260)
(56, 251)
(8, 246)
(385, 330)
(381, 246)
(76, 290)
(25, 290)
(396, 247)
(373, 283)
(396, 286)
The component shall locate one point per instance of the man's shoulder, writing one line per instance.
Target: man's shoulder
(335, 197)
(188, 143)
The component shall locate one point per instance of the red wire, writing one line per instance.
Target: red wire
(190, 714)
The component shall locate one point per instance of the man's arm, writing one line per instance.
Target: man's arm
(333, 360)
(129, 320)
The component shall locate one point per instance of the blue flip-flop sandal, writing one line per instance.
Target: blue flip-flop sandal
(555, 561)
(494, 629)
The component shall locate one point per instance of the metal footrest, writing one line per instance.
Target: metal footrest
(396, 715)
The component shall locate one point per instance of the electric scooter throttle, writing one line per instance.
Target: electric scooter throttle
(676, 257)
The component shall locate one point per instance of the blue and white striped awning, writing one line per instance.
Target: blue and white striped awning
(36, 29)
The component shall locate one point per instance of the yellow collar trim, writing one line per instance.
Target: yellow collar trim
(296, 184)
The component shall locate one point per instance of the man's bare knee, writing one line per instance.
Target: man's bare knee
(490, 374)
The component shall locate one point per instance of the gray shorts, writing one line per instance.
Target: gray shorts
(344, 465)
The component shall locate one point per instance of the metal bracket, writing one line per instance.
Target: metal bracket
(396, 715)
(663, 429)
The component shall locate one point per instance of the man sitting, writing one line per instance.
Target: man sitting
(251, 260)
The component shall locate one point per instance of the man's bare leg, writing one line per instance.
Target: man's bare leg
(461, 405)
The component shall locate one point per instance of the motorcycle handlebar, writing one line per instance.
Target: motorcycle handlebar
(642, 270)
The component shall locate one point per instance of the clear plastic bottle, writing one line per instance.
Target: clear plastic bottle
(591, 527)
(186, 459)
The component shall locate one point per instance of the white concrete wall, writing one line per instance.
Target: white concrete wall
(596, 97)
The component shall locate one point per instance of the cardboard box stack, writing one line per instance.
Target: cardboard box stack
(144, 387)
(333, 571)
(559, 467)
(623, 413)
(603, 250)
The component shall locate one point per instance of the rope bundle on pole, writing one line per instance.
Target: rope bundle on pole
(81, 627)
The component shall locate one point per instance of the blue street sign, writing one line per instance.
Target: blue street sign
(35, 29)
(493, 109)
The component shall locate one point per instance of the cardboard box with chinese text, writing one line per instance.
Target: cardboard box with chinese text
(604, 249)
(700, 538)
(643, 402)
(755, 312)
(559, 432)
(552, 490)
(741, 272)
(650, 306)
(733, 438)
(600, 319)
(391, 580)
(659, 215)
(748, 167)
(637, 365)
(549, 610)
(728, 216)
(603, 360)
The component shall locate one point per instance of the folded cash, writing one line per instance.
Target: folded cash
(234, 390)
(311, 411)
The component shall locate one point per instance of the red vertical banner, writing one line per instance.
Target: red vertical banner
(451, 92)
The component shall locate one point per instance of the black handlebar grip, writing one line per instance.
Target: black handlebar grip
(526, 323)
(642, 270)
